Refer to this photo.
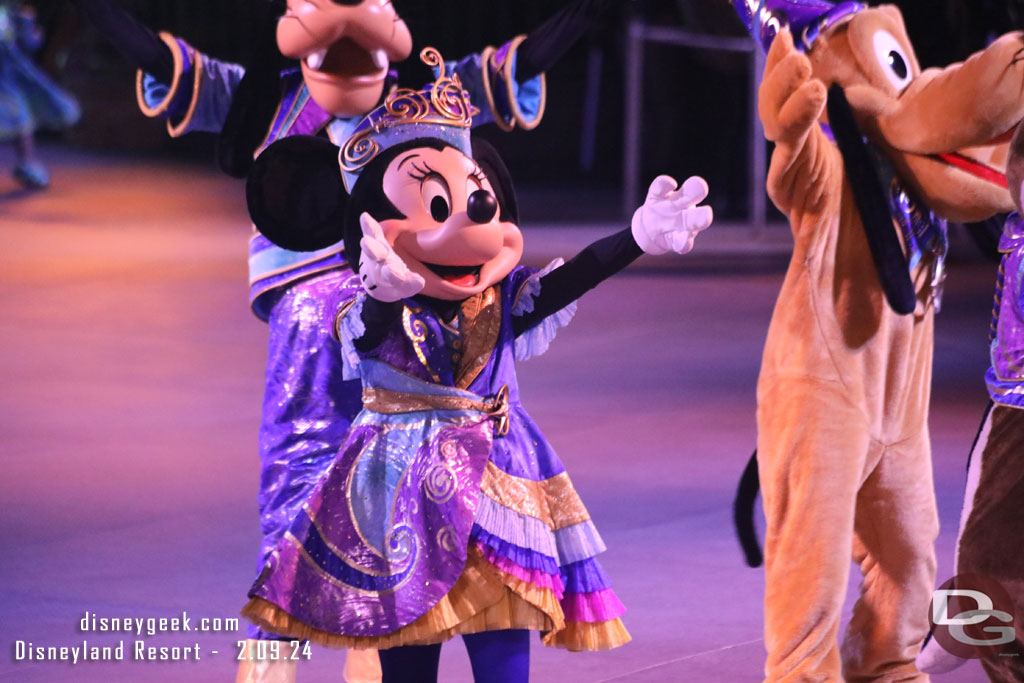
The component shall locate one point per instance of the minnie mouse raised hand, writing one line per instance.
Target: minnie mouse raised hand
(383, 273)
(446, 511)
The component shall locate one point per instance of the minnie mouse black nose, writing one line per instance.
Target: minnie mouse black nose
(481, 206)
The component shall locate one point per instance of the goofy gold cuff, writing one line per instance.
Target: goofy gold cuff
(176, 102)
(511, 103)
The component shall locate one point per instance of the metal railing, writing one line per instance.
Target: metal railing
(638, 35)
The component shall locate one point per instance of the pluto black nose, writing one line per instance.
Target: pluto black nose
(481, 206)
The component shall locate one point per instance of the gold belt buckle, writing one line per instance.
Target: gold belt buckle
(497, 408)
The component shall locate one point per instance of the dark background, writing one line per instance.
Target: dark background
(695, 102)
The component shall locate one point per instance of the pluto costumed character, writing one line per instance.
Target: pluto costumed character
(871, 156)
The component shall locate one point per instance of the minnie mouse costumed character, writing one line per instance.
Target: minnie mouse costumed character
(446, 511)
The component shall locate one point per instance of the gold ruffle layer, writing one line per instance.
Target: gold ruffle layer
(553, 501)
(483, 599)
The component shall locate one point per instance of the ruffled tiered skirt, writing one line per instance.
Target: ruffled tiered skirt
(464, 541)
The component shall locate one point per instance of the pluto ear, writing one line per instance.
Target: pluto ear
(871, 196)
(295, 193)
(494, 168)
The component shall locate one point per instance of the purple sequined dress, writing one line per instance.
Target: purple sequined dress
(446, 511)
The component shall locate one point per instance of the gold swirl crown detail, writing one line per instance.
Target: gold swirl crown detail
(443, 103)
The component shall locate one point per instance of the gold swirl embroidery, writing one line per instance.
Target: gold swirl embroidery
(400, 542)
(416, 331)
(446, 539)
(439, 483)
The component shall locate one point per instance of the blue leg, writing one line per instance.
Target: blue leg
(499, 656)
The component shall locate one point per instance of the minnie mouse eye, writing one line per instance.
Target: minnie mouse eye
(436, 198)
(439, 210)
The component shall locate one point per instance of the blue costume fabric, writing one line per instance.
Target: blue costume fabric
(307, 405)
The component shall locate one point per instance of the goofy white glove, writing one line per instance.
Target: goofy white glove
(382, 272)
(670, 219)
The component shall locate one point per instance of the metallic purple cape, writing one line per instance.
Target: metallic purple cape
(307, 405)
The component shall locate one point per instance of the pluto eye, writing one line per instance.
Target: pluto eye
(899, 67)
(893, 58)
(436, 197)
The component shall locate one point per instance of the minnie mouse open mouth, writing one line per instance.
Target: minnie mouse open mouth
(462, 276)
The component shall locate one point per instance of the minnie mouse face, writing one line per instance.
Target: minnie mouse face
(345, 47)
(452, 219)
(453, 232)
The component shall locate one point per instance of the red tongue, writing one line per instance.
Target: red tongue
(467, 280)
(974, 168)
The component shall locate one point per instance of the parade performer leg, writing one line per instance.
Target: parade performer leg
(362, 666)
(988, 544)
(895, 530)
(934, 658)
(265, 671)
(813, 446)
(29, 171)
(410, 663)
(499, 656)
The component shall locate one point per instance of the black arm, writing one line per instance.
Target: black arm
(546, 44)
(138, 44)
(254, 101)
(586, 270)
(378, 316)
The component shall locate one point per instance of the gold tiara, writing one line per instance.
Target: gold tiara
(444, 104)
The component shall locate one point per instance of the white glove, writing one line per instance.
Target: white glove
(670, 219)
(382, 272)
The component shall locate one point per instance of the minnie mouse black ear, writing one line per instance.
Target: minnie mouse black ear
(494, 168)
(295, 194)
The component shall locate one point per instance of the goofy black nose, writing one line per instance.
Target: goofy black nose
(481, 206)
